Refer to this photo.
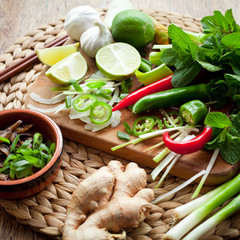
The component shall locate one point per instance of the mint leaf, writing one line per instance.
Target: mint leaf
(217, 120)
(218, 139)
(181, 41)
(236, 121)
(232, 41)
(230, 150)
(231, 21)
(186, 74)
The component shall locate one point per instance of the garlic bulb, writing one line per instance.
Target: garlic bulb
(95, 38)
(79, 19)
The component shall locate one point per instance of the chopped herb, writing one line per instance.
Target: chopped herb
(123, 135)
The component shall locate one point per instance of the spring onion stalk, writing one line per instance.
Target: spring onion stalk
(178, 188)
(185, 209)
(194, 218)
(162, 142)
(189, 137)
(209, 168)
(213, 221)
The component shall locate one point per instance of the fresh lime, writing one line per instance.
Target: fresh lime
(72, 67)
(118, 61)
(50, 56)
(133, 27)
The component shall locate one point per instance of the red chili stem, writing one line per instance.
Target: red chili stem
(158, 86)
(190, 146)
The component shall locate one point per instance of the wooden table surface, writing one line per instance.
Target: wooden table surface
(18, 17)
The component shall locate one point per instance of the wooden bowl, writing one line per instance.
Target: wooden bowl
(30, 185)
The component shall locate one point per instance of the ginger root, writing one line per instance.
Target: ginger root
(111, 199)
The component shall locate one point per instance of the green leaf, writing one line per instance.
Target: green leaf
(181, 42)
(232, 79)
(236, 121)
(185, 75)
(231, 21)
(218, 139)
(3, 139)
(218, 120)
(221, 21)
(169, 57)
(230, 150)
(232, 41)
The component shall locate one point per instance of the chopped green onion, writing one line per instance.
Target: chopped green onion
(14, 143)
(123, 136)
(96, 84)
(76, 85)
(68, 101)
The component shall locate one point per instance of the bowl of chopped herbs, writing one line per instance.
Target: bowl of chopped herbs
(30, 152)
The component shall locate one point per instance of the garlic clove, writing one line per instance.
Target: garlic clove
(95, 38)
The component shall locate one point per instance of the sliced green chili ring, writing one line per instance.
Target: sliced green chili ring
(100, 112)
(176, 119)
(158, 122)
(193, 112)
(143, 125)
(84, 103)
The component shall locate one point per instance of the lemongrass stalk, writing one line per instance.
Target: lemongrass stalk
(185, 209)
(134, 141)
(162, 142)
(209, 168)
(213, 221)
(189, 137)
(194, 218)
(178, 188)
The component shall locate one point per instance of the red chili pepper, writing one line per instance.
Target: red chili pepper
(190, 146)
(160, 85)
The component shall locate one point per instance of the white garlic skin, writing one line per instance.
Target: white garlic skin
(95, 38)
(79, 19)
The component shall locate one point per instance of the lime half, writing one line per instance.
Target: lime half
(72, 67)
(118, 61)
(50, 56)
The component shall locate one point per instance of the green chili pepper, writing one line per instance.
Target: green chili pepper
(100, 112)
(193, 112)
(85, 102)
(68, 101)
(175, 118)
(143, 125)
(170, 98)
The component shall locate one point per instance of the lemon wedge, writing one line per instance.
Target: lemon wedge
(72, 67)
(50, 56)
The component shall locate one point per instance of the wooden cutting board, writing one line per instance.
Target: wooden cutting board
(187, 166)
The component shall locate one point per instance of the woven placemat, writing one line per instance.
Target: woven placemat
(45, 212)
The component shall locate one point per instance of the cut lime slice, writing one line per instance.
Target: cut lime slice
(118, 61)
(50, 56)
(72, 67)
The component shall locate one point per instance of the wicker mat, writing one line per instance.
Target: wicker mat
(45, 212)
